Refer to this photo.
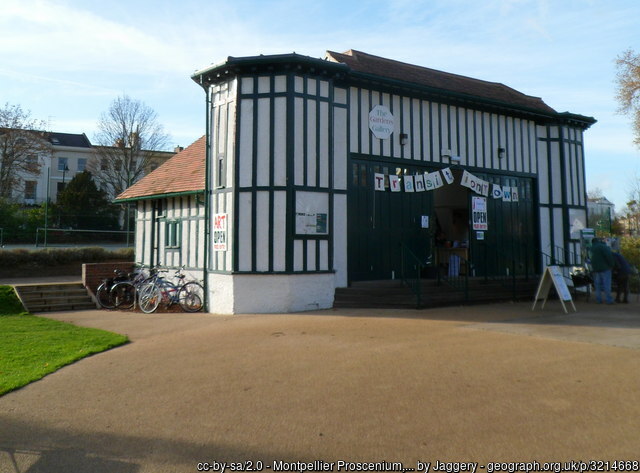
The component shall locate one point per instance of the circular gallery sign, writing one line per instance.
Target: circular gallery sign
(381, 122)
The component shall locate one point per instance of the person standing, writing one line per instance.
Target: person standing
(622, 271)
(602, 263)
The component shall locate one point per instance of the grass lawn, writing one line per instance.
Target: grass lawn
(32, 347)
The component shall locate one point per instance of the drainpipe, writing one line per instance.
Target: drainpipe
(207, 193)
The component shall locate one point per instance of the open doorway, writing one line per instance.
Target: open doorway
(451, 209)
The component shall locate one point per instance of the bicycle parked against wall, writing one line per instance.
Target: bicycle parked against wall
(123, 293)
(158, 290)
(103, 293)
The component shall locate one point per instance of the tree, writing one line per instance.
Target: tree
(128, 136)
(22, 147)
(628, 91)
(82, 205)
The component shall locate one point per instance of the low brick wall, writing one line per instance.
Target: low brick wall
(94, 273)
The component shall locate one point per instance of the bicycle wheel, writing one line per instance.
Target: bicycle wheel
(103, 294)
(191, 297)
(123, 295)
(149, 297)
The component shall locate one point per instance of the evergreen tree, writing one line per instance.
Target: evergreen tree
(82, 205)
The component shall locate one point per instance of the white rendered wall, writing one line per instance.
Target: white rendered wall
(251, 293)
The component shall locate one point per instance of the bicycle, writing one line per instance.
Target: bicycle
(157, 290)
(103, 292)
(123, 293)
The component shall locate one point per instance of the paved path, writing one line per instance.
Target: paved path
(483, 383)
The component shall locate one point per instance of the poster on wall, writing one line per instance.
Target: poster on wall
(312, 213)
(479, 213)
(219, 232)
(311, 223)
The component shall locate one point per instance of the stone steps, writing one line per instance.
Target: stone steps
(55, 297)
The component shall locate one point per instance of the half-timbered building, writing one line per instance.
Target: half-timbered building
(323, 172)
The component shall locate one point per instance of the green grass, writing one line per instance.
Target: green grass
(32, 347)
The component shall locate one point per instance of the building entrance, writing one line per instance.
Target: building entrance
(437, 225)
(451, 226)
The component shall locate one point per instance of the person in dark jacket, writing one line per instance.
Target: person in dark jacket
(602, 263)
(622, 271)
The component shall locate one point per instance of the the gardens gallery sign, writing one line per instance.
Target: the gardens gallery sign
(429, 181)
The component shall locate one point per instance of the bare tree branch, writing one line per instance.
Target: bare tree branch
(129, 136)
(23, 147)
(628, 88)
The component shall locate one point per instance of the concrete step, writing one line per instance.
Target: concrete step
(392, 294)
(54, 297)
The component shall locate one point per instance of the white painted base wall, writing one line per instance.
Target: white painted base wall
(270, 293)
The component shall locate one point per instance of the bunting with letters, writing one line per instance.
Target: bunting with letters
(428, 181)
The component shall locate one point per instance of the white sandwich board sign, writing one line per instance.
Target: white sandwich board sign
(553, 276)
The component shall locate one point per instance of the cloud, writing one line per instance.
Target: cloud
(46, 35)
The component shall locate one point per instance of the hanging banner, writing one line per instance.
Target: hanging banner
(394, 183)
(419, 182)
(483, 187)
(408, 183)
(474, 183)
(466, 177)
(378, 181)
(448, 175)
(432, 180)
(506, 194)
(479, 213)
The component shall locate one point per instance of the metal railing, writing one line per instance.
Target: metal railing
(510, 271)
(411, 271)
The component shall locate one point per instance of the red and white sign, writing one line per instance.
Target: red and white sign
(220, 232)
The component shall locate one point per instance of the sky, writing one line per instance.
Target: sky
(65, 61)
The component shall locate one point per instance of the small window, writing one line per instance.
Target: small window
(30, 190)
(222, 178)
(82, 164)
(173, 234)
(63, 164)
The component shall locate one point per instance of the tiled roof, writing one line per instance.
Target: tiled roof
(180, 174)
(379, 66)
(69, 139)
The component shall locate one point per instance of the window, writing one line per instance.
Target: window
(61, 186)
(222, 178)
(82, 164)
(32, 163)
(63, 164)
(30, 189)
(173, 234)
